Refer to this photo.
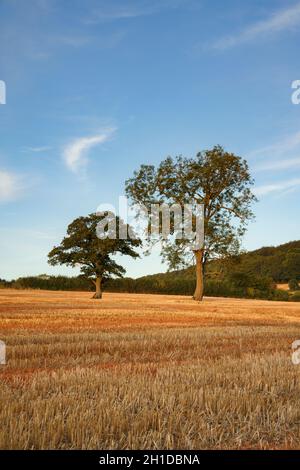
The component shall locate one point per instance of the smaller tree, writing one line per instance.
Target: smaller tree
(82, 247)
(293, 285)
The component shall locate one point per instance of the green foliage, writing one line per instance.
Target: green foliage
(279, 294)
(292, 262)
(240, 279)
(279, 263)
(295, 297)
(79, 283)
(218, 180)
(152, 284)
(293, 285)
(178, 285)
(82, 247)
(5, 284)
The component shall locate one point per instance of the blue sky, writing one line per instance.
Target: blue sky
(95, 88)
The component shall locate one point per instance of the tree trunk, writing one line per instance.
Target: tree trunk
(198, 294)
(98, 293)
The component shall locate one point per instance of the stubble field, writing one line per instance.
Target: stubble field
(147, 371)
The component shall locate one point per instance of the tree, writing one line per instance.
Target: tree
(291, 263)
(218, 180)
(82, 247)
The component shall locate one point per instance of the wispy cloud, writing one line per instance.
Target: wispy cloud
(118, 11)
(37, 149)
(9, 186)
(278, 156)
(72, 41)
(76, 152)
(36, 234)
(281, 147)
(277, 187)
(281, 20)
(283, 164)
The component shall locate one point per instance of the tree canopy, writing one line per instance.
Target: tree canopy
(82, 247)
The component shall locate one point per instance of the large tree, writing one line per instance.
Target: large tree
(220, 182)
(82, 247)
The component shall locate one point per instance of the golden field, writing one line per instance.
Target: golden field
(147, 372)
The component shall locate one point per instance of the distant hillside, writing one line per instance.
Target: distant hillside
(251, 274)
(281, 263)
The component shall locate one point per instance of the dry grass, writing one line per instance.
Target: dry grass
(142, 371)
(283, 286)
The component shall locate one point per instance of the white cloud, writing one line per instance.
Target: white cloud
(284, 164)
(75, 153)
(279, 21)
(9, 186)
(281, 147)
(277, 187)
(278, 157)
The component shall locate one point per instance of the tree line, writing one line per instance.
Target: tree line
(249, 275)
